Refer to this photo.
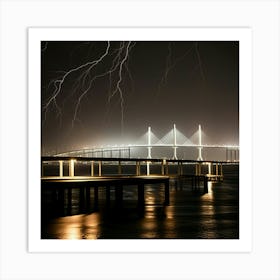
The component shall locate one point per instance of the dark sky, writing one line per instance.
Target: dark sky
(201, 87)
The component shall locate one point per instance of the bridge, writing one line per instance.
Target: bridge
(114, 167)
(174, 140)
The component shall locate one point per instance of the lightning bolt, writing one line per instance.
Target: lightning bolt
(199, 61)
(169, 65)
(84, 77)
(118, 85)
(167, 68)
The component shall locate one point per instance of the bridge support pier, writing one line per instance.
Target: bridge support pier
(232, 154)
(119, 168)
(162, 168)
(180, 168)
(92, 169)
(209, 168)
(72, 168)
(166, 168)
(198, 169)
(61, 168)
(100, 168)
(138, 168)
(148, 168)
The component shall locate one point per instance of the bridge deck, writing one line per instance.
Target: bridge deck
(116, 159)
(104, 181)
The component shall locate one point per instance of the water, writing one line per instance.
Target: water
(190, 214)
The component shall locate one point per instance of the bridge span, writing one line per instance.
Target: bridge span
(114, 173)
(175, 140)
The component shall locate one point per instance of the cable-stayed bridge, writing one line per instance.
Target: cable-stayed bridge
(115, 166)
(172, 141)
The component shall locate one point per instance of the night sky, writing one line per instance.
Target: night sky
(183, 82)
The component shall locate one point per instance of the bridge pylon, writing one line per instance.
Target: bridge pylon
(174, 142)
(199, 143)
(149, 143)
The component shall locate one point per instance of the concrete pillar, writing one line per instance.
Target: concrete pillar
(92, 169)
(138, 168)
(100, 168)
(217, 169)
(61, 168)
(148, 168)
(119, 168)
(179, 168)
(198, 169)
(166, 168)
(209, 168)
(72, 168)
(162, 168)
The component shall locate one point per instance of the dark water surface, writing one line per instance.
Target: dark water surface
(190, 214)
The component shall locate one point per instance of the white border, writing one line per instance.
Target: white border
(243, 35)
(262, 16)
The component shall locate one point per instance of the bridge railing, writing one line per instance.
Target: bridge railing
(139, 167)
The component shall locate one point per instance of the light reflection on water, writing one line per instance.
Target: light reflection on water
(208, 210)
(190, 216)
(76, 227)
